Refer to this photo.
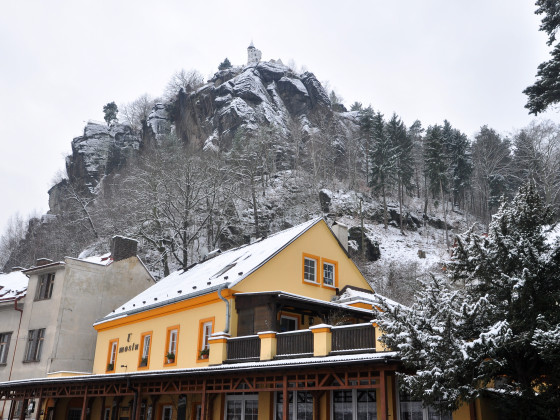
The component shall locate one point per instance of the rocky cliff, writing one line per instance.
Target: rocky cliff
(266, 94)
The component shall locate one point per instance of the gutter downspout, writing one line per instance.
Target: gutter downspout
(15, 348)
(228, 315)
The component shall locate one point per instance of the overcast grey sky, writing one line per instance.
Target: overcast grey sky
(61, 61)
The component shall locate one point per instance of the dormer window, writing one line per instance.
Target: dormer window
(45, 286)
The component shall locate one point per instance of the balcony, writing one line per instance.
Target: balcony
(243, 349)
(294, 343)
(318, 341)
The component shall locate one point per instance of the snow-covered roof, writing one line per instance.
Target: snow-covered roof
(13, 286)
(104, 259)
(352, 295)
(229, 367)
(224, 270)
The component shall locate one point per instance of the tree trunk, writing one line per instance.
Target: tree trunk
(384, 206)
(399, 192)
(255, 212)
(444, 208)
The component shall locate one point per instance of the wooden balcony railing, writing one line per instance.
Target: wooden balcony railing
(353, 337)
(295, 343)
(244, 348)
(321, 340)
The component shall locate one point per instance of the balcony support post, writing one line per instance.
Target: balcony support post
(378, 345)
(268, 345)
(322, 340)
(218, 348)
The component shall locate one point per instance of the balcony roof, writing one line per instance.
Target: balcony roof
(272, 365)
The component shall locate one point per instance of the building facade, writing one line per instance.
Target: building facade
(50, 324)
(279, 329)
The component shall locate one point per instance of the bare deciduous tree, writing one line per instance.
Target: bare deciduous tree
(137, 111)
(188, 80)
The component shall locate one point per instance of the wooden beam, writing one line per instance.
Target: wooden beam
(23, 410)
(203, 402)
(102, 415)
(383, 392)
(285, 405)
(84, 405)
(38, 408)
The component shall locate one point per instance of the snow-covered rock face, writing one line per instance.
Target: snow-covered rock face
(100, 151)
(266, 93)
(158, 121)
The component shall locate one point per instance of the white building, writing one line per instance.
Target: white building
(46, 318)
(253, 55)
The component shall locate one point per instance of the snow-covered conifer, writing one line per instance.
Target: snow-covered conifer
(491, 327)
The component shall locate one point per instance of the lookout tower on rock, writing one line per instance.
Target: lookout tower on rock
(253, 55)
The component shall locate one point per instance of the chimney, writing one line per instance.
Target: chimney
(341, 232)
(43, 261)
(123, 248)
(17, 269)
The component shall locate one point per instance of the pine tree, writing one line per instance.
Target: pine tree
(356, 106)
(437, 165)
(435, 159)
(110, 110)
(366, 134)
(495, 332)
(402, 145)
(546, 90)
(460, 158)
(415, 133)
(492, 169)
(224, 64)
(382, 161)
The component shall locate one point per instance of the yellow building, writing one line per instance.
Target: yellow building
(281, 328)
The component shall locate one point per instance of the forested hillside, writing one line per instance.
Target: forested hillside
(259, 148)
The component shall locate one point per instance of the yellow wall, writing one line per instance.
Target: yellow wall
(187, 350)
(285, 271)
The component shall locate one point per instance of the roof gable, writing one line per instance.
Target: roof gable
(224, 270)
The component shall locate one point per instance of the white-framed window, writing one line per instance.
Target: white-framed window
(45, 286)
(113, 356)
(167, 412)
(242, 407)
(310, 270)
(146, 340)
(35, 340)
(4, 347)
(300, 405)
(329, 274)
(410, 409)
(288, 323)
(206, 333)
(354, 404)
(172, 347)
(146, 346)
